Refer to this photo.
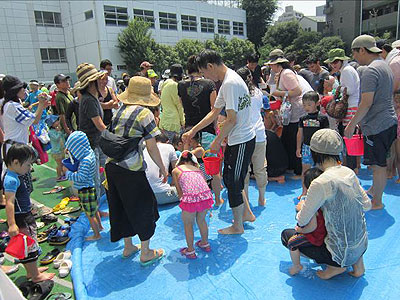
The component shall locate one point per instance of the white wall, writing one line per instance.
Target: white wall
(306, 23)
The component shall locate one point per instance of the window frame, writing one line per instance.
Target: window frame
(147, 18)
(61, 54)
(118, 17)
(224, 28)
(40, 20)
(238, 28)
(206, 25)
(89, 14)
(171, 22)
(189, 24)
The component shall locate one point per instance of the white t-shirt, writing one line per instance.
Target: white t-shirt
(168, 155)
(235, 95)
(256, 119)
(349, 78)
(16, 122)
(111, 84)
(1, 117)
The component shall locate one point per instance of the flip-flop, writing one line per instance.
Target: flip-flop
(139, 246)
(41, 237)
(70, 210)
(26, 288)
(188, 254)
(3, 234)
(55, 190)
(206, 247)
(58, 241)
(60, 206)
(39, 225)
(12, 270)
(154, 259)
(50, 257)
(60, 296)
(73, 199)
(47, 219)
(41, 290)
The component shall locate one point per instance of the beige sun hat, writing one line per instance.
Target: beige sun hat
(365, 41)
(277, 60)
(76, 87)
(326, 141)
(87, 73)
(139, 92)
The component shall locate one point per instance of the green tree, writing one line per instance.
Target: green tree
(264, 53)
(281, 35)
(236, 52)
(185, 48)
(322, 48)
(163, 57)
(136, 44)
(303, 45)
(259, 14)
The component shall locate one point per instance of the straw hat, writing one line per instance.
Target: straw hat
(87, 73)
(139, 92)
(277, 60)
(336, 54)
(76, 87)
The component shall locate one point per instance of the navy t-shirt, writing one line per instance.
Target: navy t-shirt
(13, 183)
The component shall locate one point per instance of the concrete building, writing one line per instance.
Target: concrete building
(289, 15)
(39, 39)
(348, 19)
(313, 23)
(319, 11)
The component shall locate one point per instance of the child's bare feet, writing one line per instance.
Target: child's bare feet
(248, 217)
(43, 277)
(398, 180)
(94, 237)
(219, 202)
(261, 202)
(330, 272)
(296, 177)
(230, 230)
(358, 268)
(295, 269)
(377, 206)
(40, 269)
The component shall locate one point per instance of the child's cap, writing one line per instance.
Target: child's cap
(50, 120)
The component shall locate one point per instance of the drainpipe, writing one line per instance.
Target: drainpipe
(398, 20)
(361, 13)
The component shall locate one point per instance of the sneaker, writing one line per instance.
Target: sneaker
(62, 178)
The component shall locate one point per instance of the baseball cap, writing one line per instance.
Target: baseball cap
(365, 41)
(60, 77)
(396, 44)
(326, 141)
(145, 64)
(151, 73)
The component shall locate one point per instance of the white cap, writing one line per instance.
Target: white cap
(396, 44)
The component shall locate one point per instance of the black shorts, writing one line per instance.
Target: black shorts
(236, 163)
(377, 147)
(320, 254)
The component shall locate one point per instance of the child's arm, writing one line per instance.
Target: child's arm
(12, 226)
(82, 174)
(310, 227)
(175, 176)
(299, 141)
(198, 152)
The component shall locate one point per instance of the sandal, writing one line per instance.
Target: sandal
(73, 199)
(188, 254)
(60, 206)
(58, 241)
(41, 237)
(70, 210)
(50, 257)
(206, 247)
(41, 290)
(3, 234)
(60, 296)
(160, 253)
(55, 190)
(47, 219)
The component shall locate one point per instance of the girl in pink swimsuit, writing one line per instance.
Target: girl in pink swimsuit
(196, 199)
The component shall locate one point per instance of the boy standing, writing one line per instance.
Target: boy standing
(79, 147)
(18, 206)
(308, 125)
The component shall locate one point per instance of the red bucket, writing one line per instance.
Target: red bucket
(212, 164)
(355, 145)
(274, 105)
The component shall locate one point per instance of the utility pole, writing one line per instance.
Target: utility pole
(398, 21)
(361, 16)
(374, 14)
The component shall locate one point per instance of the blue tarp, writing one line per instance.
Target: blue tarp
(250, 266)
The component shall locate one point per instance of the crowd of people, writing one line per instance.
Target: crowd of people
(264, 121)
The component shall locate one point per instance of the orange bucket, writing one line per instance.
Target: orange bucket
(212, 164)
(355, 145)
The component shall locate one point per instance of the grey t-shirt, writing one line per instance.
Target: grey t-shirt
(89, 108)
(313, 79)
(378, 78)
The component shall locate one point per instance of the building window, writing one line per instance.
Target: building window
(121, 67)
(168, 21)
(189, 23)
(53, 55)
(48, 18)
(238, 28)
(341, 20)
(88, 14)
(145, 15)
(116, 16)
(224, 27)
(207, 25)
